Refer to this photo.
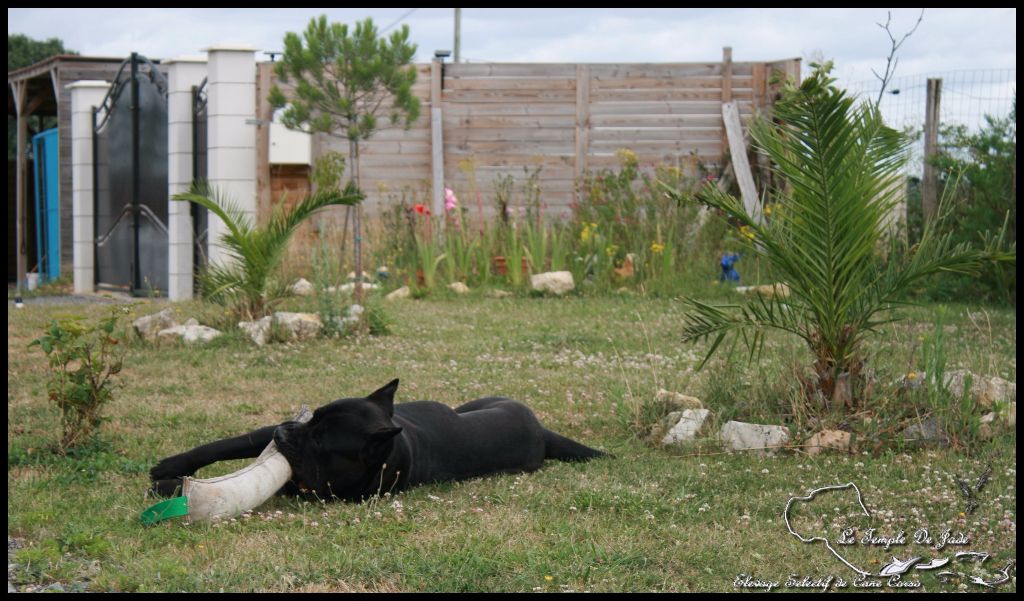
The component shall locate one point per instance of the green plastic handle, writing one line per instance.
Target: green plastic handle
(171, 508)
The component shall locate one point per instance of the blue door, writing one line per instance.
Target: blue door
(47, 173)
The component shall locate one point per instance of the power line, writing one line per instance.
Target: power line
(399, 19)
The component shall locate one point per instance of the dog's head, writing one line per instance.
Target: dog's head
(342, 449)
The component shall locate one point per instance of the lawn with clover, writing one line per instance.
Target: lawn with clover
(651, 519)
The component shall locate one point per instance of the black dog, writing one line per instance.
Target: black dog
(354, 449)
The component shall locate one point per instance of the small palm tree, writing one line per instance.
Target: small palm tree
(246, 283)
(841, 165)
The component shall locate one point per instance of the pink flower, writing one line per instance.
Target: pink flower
(450, 202)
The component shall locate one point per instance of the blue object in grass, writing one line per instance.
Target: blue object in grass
(729, 273)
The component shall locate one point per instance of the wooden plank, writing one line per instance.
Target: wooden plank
(644, 107)
(669, 70)
(687, 83)
(516, 83)
(567, 96)
(655, 120)
(582, 128)
(416, 148)
(656, 95)
(508, 134)
(646, 134)
(713, 147)
(529, 148)
(740, 163)
(759, 85)
(509, 108)
(462, 70)
(511, 121)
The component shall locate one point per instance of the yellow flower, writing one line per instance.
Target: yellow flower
(767, 210)
(747, 232)
(912, 375)
(657, 248)
(549, 578)
(627, 156)
(611, 249)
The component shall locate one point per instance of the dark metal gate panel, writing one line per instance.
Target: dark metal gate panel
(200, 216)
(130, 170)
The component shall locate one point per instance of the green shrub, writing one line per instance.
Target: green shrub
(83, 358)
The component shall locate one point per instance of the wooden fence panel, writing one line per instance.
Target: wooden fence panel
(502, 119)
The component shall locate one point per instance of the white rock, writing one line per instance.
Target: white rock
(740, 436)
(458, 288)
(688, 427)
(828, 439)
(350, 287)
(768, 290)
(677, 400)
(402, 292)
(300, 326)
(189, 333)
(257, 330)
(556, 282)
(150, 326)
(302, 287)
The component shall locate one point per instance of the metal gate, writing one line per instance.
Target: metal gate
(130, 175)
(200, 216)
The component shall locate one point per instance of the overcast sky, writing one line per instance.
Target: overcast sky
(947, 39)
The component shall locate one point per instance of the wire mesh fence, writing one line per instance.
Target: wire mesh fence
(967, 96)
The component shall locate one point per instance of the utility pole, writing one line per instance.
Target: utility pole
(458, 33)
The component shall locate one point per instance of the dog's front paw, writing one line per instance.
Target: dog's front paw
(167, 488)
(171, 468)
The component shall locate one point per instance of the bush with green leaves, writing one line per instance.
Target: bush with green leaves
(246, 282)
(83, 357)
(980, 171)
(840, 164)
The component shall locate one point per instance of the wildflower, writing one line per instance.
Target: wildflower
(421, 209)
(549, 578)
(657, 248)
(627, 156)
(747, 232)
(611, 249)
(450, 201)
(912, 376)
(767, 210)
(588, 229)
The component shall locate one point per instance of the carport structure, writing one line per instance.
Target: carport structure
(40, 90)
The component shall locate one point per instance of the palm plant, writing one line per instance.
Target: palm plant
(841, 166)
(246, 283)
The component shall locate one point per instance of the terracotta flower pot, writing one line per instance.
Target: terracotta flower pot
(499, 265)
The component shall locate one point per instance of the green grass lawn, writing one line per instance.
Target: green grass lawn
(684, 519)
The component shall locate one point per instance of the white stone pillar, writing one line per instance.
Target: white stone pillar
(231, 147)
(183, 73)
(84, 96)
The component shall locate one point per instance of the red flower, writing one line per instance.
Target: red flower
(421, 209)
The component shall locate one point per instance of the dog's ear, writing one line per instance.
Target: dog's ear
(383, 435)
(385, 397)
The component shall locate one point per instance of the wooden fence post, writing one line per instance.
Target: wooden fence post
(929, 182)
(582, 122)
